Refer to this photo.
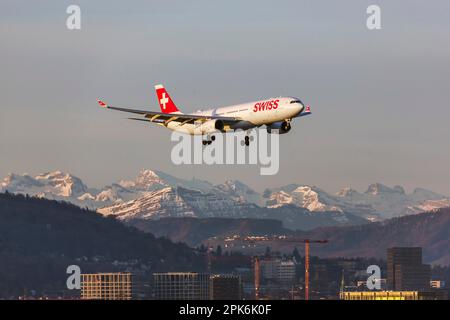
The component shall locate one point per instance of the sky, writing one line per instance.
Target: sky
(380, 98)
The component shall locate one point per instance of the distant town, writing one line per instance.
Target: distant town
(234, 276)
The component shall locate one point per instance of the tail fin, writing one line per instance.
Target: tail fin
(165, 101)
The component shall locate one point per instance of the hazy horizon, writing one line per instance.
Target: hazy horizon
(379, 98)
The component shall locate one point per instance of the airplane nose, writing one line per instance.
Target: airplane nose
(301, 107)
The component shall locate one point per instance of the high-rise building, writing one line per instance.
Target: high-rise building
(277, 270)
(225, 287)
(107, 286)
(406, 271)
(181, 286)
(286, 271)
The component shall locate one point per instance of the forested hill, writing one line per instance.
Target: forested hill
(39, 238)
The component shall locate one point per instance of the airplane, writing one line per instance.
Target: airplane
(274, 113)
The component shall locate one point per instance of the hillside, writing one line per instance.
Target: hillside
(194, 231)
(40, 238)
(429, 230)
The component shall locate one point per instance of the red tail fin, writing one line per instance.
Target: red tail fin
(165, 101)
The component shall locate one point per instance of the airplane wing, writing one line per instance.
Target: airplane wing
(165, 118)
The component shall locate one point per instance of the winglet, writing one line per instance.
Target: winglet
(102, 104)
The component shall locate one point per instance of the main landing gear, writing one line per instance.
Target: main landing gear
(246, 141)
(209, 140)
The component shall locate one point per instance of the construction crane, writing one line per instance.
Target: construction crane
(256, 262)
(307, 242)
(285, 239)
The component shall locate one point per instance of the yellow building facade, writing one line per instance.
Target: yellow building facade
(392, 295)
(106, 286)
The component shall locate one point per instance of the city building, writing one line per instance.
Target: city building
(393, 295)
(274, 269)
(362, 284)
(405, 271)
(349, 266)
(181, 286)
(286, 271)
(437, 284)
(107, 286)
(225, 287)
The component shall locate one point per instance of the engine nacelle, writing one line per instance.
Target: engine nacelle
(281, 126)
(211, 126)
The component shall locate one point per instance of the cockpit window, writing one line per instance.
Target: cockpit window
(295, 101)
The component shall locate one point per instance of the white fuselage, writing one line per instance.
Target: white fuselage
(251, 114)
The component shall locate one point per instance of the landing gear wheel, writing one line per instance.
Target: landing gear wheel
(247, 141)
(213, 138)
(205, 142)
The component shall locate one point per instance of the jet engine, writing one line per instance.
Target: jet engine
(211, 126)
(281, 126)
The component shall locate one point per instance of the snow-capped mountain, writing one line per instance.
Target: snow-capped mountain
(115, 193)
(378, 202)
(311, 198)
(147, 180)
(155, 194)
(62, 186)
(239, 192)
(316, 200)
(178, 202)
(392, 202)
(150, 180)
(53, 185)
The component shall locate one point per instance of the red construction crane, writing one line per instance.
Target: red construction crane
(307, 242)
(285, 239)
(256, 261)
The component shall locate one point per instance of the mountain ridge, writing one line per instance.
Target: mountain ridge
(378, 202)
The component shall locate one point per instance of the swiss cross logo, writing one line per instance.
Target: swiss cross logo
(164, 100)
(307, 109)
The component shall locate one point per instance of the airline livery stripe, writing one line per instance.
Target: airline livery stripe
(170, 120)
(154, 117)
